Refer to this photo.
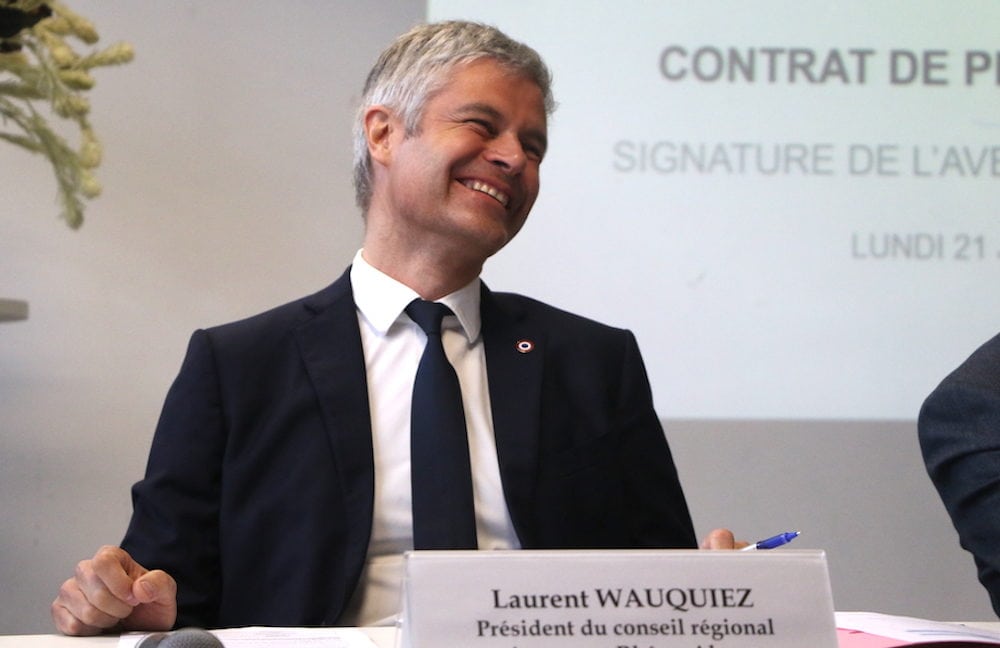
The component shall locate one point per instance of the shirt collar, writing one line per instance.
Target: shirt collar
(382, 300)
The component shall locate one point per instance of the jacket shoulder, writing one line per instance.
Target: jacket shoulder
(534, 312)
(280, 321)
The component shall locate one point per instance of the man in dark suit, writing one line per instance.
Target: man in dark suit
(278, 485)
(959, 429)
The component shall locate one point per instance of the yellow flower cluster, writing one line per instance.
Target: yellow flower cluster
(38, 64)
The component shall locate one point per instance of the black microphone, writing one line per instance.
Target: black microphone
(184, 638)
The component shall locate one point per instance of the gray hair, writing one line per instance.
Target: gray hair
(416, 66)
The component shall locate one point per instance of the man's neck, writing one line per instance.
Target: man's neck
(430, 275)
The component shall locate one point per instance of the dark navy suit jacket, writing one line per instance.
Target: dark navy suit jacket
(258, 493)
(959, 429)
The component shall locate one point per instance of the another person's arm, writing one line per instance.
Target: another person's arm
(959, 430)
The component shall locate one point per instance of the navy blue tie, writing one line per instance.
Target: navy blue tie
(444, 515)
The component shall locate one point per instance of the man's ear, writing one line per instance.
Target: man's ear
(380, 127)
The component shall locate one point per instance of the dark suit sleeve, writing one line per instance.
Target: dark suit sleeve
(959, 430)
(607, 478)
(661, 516)
(174, 524)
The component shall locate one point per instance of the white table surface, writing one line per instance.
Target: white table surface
(383, 638)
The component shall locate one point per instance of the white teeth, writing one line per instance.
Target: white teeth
(476, 185)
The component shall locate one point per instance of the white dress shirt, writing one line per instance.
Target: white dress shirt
(392, 345)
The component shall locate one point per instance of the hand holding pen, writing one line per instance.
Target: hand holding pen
(773, 542)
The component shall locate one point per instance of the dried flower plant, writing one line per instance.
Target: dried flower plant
(39, 64)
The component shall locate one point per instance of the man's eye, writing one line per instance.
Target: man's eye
(483, 124)
(534, 152)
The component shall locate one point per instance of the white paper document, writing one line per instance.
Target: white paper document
(908, 631)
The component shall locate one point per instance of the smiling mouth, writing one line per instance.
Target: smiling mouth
(493, 192)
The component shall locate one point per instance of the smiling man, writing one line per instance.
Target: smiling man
(292, 463)
(454, 192)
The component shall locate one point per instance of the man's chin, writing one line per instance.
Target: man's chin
(492, 239)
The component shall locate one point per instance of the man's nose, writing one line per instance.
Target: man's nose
(506, 151)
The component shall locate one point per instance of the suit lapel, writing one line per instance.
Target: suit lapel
(330, 346)
(515, 351)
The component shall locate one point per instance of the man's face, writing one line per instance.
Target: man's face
(466, 180)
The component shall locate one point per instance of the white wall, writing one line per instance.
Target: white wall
(227, 179)
(856, 490)
(227, 191)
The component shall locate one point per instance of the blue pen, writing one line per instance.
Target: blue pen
(772, 542)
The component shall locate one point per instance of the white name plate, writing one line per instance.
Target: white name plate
(617, 599)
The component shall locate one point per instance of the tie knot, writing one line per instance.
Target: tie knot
(427, 315)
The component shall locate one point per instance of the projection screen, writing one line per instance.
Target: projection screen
(793, 205)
